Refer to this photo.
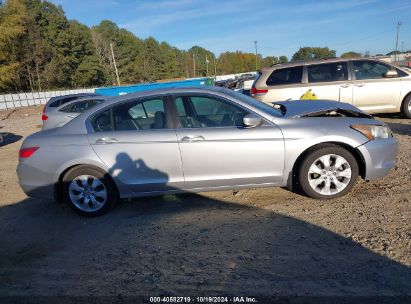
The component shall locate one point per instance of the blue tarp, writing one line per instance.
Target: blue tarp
(116, 91)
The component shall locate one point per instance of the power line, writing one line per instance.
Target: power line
(256, 55)
(336, 44)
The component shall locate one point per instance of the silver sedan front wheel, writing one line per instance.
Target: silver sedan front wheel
(88, 193)
(327, 171)
(329, 174)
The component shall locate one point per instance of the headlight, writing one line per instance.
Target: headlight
(373, 131)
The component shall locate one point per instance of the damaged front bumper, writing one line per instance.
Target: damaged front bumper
(379, 156)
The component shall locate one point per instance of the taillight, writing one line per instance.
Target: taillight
(255, 91)
(27, 152)
(44, 117)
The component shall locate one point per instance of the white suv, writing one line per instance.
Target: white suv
(371, 85)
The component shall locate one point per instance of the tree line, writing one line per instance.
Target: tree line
(40, 49)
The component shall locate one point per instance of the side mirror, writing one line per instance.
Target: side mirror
(251, 121)
(391, 74)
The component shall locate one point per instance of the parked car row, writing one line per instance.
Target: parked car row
(200, 139)
(371, 85)
(240, 84)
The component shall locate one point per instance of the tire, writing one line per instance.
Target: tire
(322, 179)
(89, 191)
(406, 107)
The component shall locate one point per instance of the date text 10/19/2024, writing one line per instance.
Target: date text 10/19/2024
(203, 300)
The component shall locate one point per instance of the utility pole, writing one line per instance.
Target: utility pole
(215, 68)
(256, 55)
(396, 42)
(187, 75)
(194, 66)
(206, 65)
(115, 64)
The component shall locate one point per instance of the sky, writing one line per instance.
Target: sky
(279, 27)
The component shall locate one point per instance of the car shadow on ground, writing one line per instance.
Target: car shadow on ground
(403, 129)
(8, 138)
(184, 245)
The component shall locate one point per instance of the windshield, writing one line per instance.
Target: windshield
(257, 104)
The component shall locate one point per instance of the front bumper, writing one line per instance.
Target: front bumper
(379, 156)
(35, 182)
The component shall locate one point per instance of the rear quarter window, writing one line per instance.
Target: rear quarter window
(103, 122)
(285, 76)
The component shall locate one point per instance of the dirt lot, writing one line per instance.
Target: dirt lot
(265, 242)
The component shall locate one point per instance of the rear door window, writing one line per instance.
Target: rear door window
(327, 72)
(285, 76)
(140, 115)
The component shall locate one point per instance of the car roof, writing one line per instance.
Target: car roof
(170, 90)
(74, 95)
(314, 61)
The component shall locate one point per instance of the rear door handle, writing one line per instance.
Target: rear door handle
(192, 138)
(345, 85)
(106, 140)
(360, 84)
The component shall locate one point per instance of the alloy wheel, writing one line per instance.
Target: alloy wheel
(88, 193)
(329, 174)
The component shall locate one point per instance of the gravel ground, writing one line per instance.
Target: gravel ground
(258, 242)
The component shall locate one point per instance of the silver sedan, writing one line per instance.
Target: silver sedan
(197, 139)
(69, 110)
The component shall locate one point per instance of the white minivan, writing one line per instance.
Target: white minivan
(369, 84)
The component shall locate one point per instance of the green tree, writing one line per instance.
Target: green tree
(268, 61)
(307, 53)
(283, 59)
(351, 54)
(13, 19)
(200, 55)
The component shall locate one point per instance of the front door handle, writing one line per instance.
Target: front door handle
(345, 85)
(360, 84)
(192, 138)
(106, 140)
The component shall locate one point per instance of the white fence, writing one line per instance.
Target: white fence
(11, 101)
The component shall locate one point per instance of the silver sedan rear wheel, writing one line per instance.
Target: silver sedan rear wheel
(88, 193)
(329, 174)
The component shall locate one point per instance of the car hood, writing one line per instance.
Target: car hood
(318, 108)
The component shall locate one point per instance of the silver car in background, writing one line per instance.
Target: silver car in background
(68, 111)
(57, 101)
(202, 139)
